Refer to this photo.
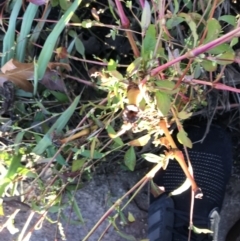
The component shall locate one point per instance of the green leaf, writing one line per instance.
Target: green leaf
(111, 132)
(76, 208)
(146, 16)
(214, 29)
(230, 19)
(149, 41)
(64, 4)
(221, 49)
(88, 154)
(126, 236)
(57, 126)
(201, 230)
(87, 23)
(163, 102)
(51, 151)
(112, 65)
(18, 140)
(182, 137)
(174, 21)
(225, 58)
(15, 163)
(165, 84)
(130, 158)
(131, 218)
(79, 46)
(192, 25)
(48, 47)
(152, 157)
(9, 37)
(54, 3)
(134, 66)
(60, 96)
(26, 26)
(78, 164)
(209, 65)
(176, 6)
(233, 42)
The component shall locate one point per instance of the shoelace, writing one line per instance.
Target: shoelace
(180, 230)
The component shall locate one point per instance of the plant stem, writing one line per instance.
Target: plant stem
(199, 50)
(178, 155)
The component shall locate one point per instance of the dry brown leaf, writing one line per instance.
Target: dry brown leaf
(52, 66)
(20, 74)
(142, 141)
(165, 142)
(52, 81)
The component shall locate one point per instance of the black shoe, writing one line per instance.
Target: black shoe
(168, 218)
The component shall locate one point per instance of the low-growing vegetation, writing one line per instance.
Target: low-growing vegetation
(82, 80)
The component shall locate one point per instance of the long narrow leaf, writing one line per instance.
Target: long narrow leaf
(57, 126)
(37, 31)
(25, 30)
(49, 45)
(9, 38)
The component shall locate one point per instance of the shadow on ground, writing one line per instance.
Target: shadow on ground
(95, 198)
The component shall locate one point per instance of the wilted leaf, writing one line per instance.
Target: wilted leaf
(21, 73)
(182, 188)
(155, 190)
(164, 141)
(152, 157)
(183, 139)
(130, 158)
(18, 73)
(52, 81)
(61, 53)
(95, 14)
(131, 217)
(163, 102)
(141, 141)
(146, 16)
(183, 115)
(201, 230)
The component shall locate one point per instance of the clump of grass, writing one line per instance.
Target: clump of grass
(179, 55)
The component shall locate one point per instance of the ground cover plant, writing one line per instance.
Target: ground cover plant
(82, 80)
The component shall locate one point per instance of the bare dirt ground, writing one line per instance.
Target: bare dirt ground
(94, 199)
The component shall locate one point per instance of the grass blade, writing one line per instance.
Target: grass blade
(49, 45)
(25, 30)
(57, 126)
(9, 38)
